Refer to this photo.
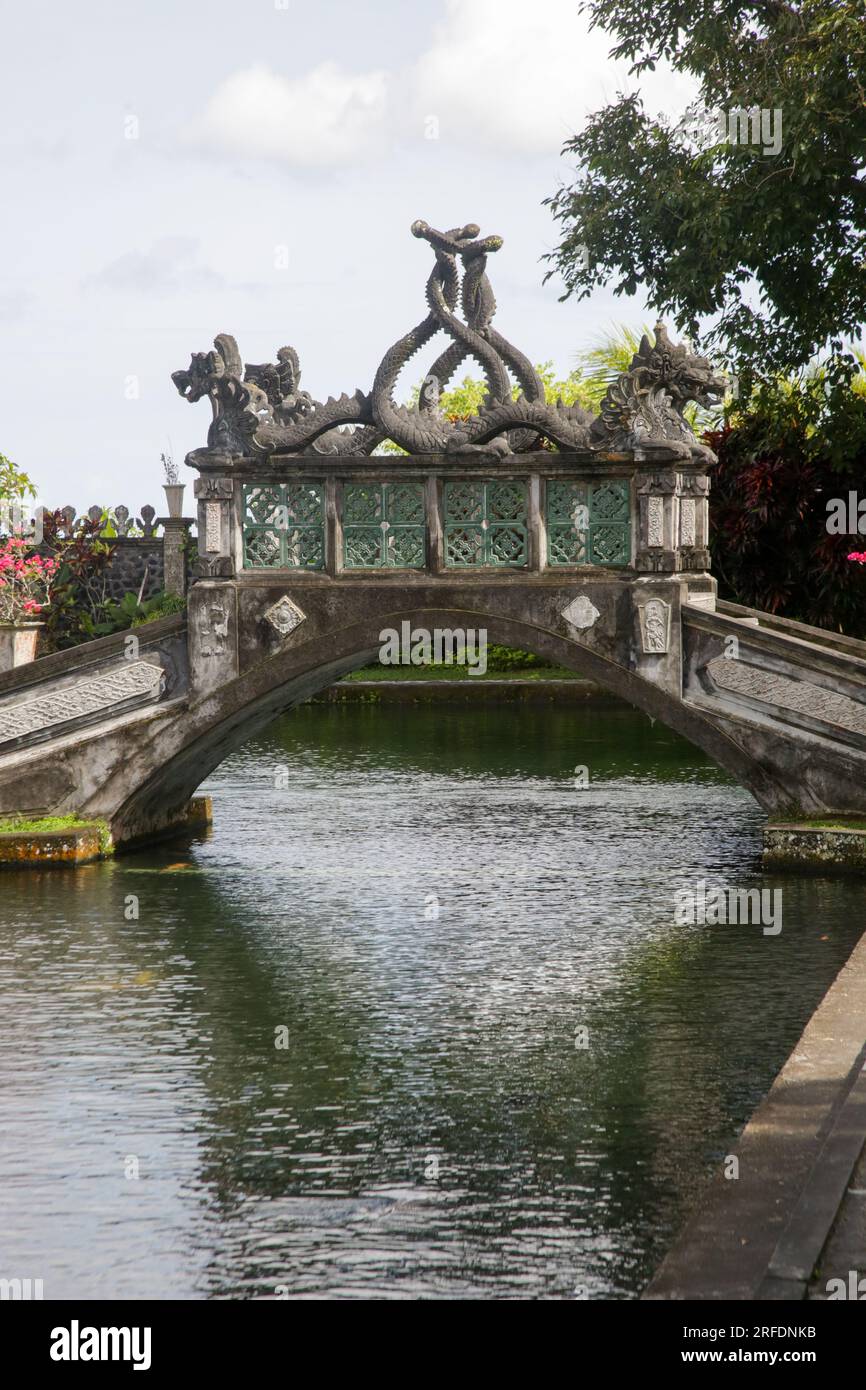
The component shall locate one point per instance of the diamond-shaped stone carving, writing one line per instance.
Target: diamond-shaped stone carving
(580, 613)
(284, 616)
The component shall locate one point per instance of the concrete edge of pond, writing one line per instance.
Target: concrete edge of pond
(759, 1236)
(565, 691)
(77, 845)
(811, 848)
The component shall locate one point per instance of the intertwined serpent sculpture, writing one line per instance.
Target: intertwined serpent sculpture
(261, 412)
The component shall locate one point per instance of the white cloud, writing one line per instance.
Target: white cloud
(325, 117)
(520, 78)
(496, 76)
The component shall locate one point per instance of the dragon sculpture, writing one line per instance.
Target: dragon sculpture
(261, 412)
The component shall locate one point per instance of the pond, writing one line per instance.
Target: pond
(415, 1020)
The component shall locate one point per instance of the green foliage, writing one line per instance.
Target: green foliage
(13, 482)
(466, 398)
(769, 248)
(513, 659)
(162, 605)
(130, 611)
(784, 453)
(21, 825)
(601, 364)
(80, 606)
(79, 588)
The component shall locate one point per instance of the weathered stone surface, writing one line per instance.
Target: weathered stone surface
(655, 626)
(284, 616)
(788, 693)
(581, 613)
(817, 849)
(138, 772)
(33, 849)
(132, 681)
(731, 1245)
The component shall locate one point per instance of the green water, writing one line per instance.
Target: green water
(425, 908)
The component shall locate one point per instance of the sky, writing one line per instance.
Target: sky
(176, 170)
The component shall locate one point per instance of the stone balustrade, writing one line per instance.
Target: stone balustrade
(438, 515)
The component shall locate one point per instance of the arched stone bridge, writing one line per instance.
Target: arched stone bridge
(127, 731)
(592, 554)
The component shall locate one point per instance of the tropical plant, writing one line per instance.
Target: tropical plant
(79, 590)
(789, 457)
(131, 610)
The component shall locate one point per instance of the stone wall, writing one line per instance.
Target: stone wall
(138, 551)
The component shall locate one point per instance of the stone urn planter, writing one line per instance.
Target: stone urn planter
(18, 644)
(174, 497)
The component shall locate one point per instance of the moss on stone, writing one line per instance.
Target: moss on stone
(47, 825)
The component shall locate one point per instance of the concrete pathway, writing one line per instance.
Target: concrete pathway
(795, 1216)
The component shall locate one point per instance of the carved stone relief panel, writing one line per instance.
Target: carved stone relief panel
(655, 626)
(800, 696)
(687, 521)
(98, 695)
(655, 521)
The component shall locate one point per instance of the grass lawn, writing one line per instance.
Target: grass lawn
(444, 672)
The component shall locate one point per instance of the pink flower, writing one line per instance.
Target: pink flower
(858, 555)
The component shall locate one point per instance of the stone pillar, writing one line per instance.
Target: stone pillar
(18, 644)
(658, 633)
(176, 530)
(657, 539)
(215, 527)
(694, 521)
(212, 634)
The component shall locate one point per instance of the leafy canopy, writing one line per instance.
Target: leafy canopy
(764, 252)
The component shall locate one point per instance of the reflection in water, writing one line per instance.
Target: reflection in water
(433, 1126)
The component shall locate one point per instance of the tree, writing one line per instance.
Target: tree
(13, 483)
(791, 461)
(756, 238)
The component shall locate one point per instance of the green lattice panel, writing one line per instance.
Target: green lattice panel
(485, 523)
(284, 526)
(384, 526)
(588, 523)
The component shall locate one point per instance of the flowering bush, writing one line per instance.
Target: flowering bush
(25, 579)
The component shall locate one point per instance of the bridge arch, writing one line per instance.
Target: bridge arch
(165, 772)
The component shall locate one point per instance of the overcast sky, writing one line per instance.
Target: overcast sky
(176, 169)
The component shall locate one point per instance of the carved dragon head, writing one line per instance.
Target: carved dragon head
(684, 375)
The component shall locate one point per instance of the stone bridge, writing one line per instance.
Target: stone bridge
(581, 538)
